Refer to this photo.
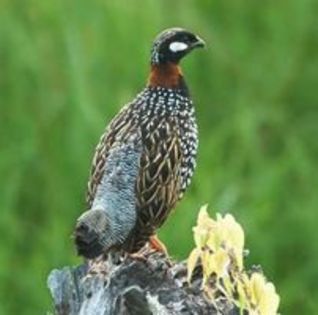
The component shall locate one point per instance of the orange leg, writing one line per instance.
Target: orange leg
(157, 245)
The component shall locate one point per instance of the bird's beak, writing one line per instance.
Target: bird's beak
(199, 43)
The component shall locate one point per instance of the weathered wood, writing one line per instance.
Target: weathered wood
(134, 286)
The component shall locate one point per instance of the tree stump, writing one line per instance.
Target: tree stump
(150, 284)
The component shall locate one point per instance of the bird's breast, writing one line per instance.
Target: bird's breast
(169, 136)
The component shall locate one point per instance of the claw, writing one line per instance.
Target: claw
(157, 245)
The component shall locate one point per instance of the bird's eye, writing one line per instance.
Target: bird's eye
(178, 46)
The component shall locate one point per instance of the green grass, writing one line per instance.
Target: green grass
(66, 67)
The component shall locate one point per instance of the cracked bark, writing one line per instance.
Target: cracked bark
(154, 285)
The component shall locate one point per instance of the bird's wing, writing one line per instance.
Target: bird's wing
(119, 129)
(112, 215)
(116, 189)
(158, 183)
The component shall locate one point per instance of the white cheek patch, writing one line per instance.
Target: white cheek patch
(178, 46)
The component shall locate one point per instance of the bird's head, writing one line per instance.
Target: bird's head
(171, 45)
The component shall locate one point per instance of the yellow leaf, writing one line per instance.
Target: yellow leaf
(203, 213)
(233, 237)
(243, 299)
(263, 295)
(236, 232)
(268, 305)
(204, 219)
(257, 282)
(202, 230)
(213, 239)
(200, 236)
(191, 263)
(208, 265)
(222, 262)
(220, 247)
(215, 263)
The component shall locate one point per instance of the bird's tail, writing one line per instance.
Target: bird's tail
(90, 231)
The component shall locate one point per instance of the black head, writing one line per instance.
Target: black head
(173, 44)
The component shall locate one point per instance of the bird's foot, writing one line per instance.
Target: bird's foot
(99, 265)
(148, 253)
(141, 255)
(157, 245)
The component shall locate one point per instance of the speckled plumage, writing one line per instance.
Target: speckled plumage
(163, 115)
(166, 120)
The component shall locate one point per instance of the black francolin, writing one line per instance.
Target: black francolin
(162, 118)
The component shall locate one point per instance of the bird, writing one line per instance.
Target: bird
(157, 135)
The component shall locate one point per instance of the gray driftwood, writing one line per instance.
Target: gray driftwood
(133, 286)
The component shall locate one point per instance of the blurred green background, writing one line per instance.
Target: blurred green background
(66, 67)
